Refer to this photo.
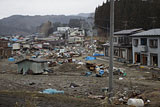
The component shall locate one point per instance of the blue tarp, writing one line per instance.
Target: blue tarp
(88, 74)
(14, 39)
(96, 54)
(101, 72)
(10, 46)
(88, 58)
(11, 59)
(52, 91)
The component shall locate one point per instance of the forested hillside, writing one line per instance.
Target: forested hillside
(130, 14)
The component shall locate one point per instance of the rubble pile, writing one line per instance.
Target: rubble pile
(70, 67)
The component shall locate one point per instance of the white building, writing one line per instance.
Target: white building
(62, 29)
(146, 47)
(16, 46)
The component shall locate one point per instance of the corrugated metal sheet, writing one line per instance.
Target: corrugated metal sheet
(35, 67)
(152, 32)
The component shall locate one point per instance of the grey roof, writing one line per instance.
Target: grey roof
(152, 32)
(32, 60)
(126, 32)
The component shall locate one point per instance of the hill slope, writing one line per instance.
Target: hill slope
(28, 24)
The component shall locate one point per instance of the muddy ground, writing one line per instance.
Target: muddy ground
(18, 90)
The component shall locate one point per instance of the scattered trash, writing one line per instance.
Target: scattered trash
(121, 99)
(78, 67)
(105, 89)
(96, 97)
(135, 102)
(142, 67)
(119, 72)
(120, 78)
(48, 70)
(52, 91)
(88, 74)
(80, 63)
(148, 101)
(45, 73)
(73, 85)
(49, 84)
(32, 83)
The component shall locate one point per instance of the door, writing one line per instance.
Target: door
(144, 59)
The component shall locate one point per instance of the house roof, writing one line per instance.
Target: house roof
(32, 60)
(152, 32)
(127, 32)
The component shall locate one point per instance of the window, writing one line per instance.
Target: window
(143, 41)
(115, 39)
(120, 39)
(153, 43)
(135, 42)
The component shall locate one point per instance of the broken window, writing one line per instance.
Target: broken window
(115, 52)
(143, 41)
(115, 39)
(153, 43)
(135, 42)
(120, 39)
(126, 40)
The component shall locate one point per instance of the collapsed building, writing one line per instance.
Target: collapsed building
(5, 51)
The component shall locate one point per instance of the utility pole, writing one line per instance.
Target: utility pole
(110, 94)
(82, 28)
(92, 41)
(91, 34)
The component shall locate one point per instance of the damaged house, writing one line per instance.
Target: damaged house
(146, 47)
(32, 66)
(122, 45)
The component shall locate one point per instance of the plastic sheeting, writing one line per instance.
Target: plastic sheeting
(52, 91)
(88, 58)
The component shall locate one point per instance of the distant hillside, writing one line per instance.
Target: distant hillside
(85, 14)
(28, 24)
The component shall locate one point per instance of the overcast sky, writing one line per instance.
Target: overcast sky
(47, 7)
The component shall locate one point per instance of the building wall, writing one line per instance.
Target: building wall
(5, 52)
(3, 43)
(150, 50)
(123, 54)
